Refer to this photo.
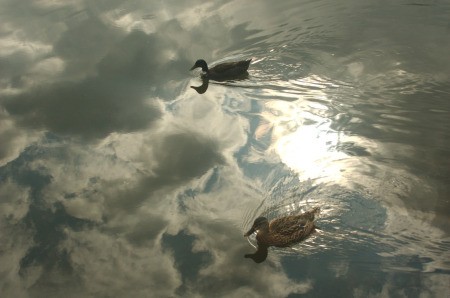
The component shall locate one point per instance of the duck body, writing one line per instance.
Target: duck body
(281, 232)
(223, 71)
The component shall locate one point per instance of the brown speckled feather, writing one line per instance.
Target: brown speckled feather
(288, 230)
(281, 232)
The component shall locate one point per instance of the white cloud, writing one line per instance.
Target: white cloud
(112, 266)
(228, 271)
(14, 239)
(14, 139)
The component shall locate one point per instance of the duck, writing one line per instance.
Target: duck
(281, 232)
(223, 71)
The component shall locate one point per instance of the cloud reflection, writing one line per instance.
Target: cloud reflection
(116, 99)
(109, 163)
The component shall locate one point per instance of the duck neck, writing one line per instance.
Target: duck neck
(205, 68)
(263, 238)
(262, 232)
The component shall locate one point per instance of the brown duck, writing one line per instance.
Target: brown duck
(280, 232)
(223, 71)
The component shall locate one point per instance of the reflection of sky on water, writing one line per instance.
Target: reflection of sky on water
(118, 179)
(304, 140)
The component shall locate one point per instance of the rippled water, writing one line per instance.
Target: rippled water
(119, 179)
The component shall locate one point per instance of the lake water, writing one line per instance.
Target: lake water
(117, 179)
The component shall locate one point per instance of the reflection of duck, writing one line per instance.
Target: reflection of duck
(223, 71)
(281, 232)
(203, 87)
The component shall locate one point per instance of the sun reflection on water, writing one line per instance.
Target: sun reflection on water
(301, 135)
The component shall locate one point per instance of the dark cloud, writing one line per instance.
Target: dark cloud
(115, 94)
(90, 109)
(180, 157)
(81, 47)
(108, 79)
(117, 99)
(9, 138)
(146, 230)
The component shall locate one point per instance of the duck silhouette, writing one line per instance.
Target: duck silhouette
(281, 232)
(203, 87)
(223, 71)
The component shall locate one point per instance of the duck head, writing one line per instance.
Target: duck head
(259, 224)
(200, 63)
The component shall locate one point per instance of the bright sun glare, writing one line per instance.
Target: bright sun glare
(304, 141)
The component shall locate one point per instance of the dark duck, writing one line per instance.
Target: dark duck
(281, 232)
(223, 71)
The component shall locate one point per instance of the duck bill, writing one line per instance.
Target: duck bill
(251, 231)
(193, 67)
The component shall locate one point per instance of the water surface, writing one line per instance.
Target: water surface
(118, 179)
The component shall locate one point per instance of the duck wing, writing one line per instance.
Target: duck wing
(293, 234)
(285, 231)
(285, 225)
(231, 66)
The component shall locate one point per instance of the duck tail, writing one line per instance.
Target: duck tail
(311, 214)
(316, 210)
(246, 63)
